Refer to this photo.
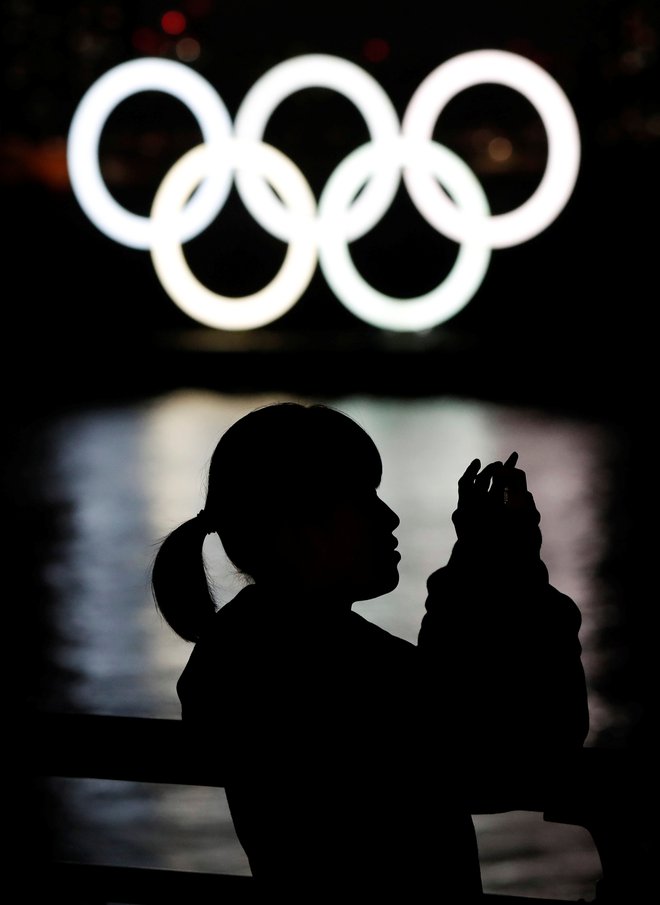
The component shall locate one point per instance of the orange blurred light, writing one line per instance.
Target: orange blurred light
(188, 50)
(500, 149)
(173, 22)
(23, 161)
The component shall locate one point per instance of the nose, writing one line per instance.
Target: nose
(391, 515)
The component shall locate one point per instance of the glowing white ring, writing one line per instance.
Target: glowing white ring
(563, 137)
(320, 71)
(176, 216)
(358, 296)
(281, 294)
(84, 137)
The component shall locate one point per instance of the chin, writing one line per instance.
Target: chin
(384, 585)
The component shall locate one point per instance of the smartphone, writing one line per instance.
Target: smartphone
(514, 488)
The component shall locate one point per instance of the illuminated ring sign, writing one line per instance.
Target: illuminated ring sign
(356, 196)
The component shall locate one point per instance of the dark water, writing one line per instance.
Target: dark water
(93, 488)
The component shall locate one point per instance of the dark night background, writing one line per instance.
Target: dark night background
(566, 316)
(565, 321)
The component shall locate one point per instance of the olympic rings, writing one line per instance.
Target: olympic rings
(358, 296)
(85, 133)
(318, 70)
(554, 190)
(169, 261)
(354, 199)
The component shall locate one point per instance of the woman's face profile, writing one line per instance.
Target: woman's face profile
(357, 545)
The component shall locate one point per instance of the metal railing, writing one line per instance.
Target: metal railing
(145, 750)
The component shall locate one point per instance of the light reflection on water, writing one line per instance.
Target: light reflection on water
(128, 475)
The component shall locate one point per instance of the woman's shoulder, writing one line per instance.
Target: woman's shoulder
(371, 633)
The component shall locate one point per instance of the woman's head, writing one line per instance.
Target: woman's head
(292, 495)
(281, 466)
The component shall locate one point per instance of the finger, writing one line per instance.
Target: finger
(483, 480)
(468, 476)
(511, 461)
(471, 471)
(466, 484)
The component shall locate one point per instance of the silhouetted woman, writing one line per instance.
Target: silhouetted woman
(317, 717)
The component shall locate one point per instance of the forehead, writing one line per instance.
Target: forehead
(297, 450)
(353, 465)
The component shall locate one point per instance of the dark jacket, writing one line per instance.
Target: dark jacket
(319, 722)
(503, 648)
(500, 646)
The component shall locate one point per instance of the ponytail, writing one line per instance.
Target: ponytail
(179, 580)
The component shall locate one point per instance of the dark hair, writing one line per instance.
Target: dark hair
(283, 461)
